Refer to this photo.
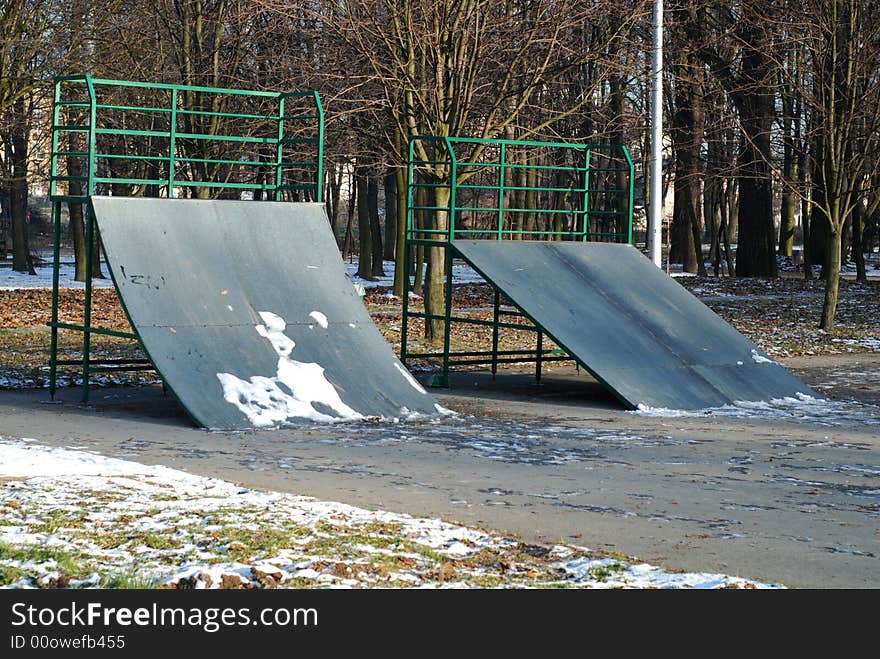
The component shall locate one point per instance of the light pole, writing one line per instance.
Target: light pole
(655, 212)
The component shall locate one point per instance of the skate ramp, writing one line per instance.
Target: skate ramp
(246, 311)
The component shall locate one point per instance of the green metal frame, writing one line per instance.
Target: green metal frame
(90, 98)
(595, 193)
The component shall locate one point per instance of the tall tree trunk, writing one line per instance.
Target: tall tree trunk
(365, 250)
(832, 280)
(18, 189)
(806, 196)
(687, 133)
(390, 185)
(334, 179)
(347, 243)
(682, 249)
(21, 255)
(858, 249)
(790, 120)
(402, 265)
(5, 222)
(787, 209)
(376, 269)
(435, 281)
(756, 253)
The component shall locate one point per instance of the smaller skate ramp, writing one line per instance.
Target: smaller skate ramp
(642, 335)
(245, 310)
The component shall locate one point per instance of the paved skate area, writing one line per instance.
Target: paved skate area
(787, 494)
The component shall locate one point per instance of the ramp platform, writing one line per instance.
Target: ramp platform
(644, 337)
(245, 310)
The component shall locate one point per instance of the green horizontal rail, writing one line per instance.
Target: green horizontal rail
(71, 154)
(92, 330)
(484, 353)
(171, 87)
(520, 188)
(129, 156)
(132, 108)
(226, 184)
(102, 362)
(121, 369)
(473, 321)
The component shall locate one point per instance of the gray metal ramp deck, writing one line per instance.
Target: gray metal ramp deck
(647, 339)
(246, 311)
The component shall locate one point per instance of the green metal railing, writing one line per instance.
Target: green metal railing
(471, 188)
(591, 185)
(129, 138)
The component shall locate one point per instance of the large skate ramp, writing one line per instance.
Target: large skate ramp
(246, 311)
(644, 337)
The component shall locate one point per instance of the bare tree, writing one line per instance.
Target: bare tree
(32, 49)
(842, 40)
(469, 67)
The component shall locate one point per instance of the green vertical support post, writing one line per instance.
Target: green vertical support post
(90, 235)
(172, 143)
(585, 216)
(279, 149)
(404, 322)
(56, 243)
(502, 162)
(56, 267)
(319, 169)
(496, 313)
(450, 221)
(539, 356)
(631, 190)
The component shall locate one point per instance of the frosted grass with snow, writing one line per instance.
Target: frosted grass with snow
(110, 516)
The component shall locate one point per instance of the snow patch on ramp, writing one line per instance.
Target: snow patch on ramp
(319, 318)
(263, 401)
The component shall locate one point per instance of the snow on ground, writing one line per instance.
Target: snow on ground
(461, 274)
(71, 518)
(798, 408)
(11, 280)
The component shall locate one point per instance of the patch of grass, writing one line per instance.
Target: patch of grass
(10, 574)
(59, 519)
(326, 527)
(129, 580)
(262, 542)
(378, 541)
(67, 563)
(110, 539)
(381, 528)
(300, 583)
(336, 546)
(604, 572)
(159, 541)
(485, 580)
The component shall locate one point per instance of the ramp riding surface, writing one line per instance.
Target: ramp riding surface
(247, 313)
(647, 339)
